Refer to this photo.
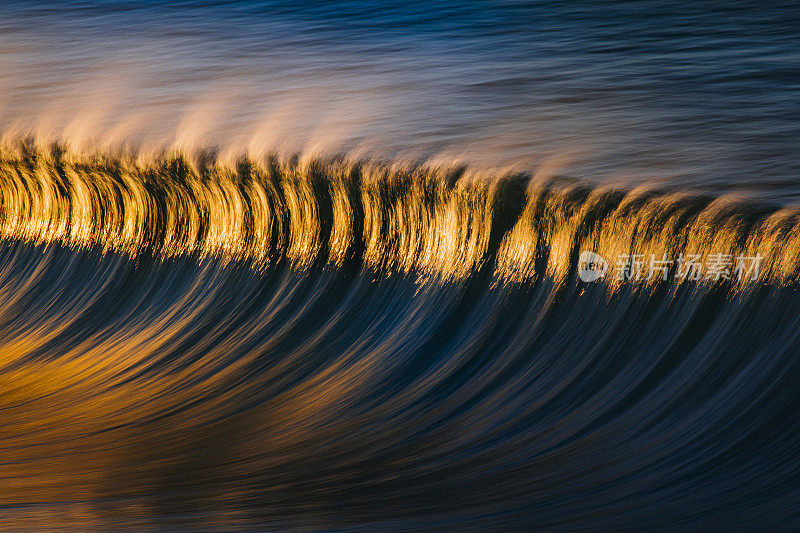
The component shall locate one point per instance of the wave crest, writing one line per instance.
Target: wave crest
(432, 221)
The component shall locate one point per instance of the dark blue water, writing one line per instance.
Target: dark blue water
(692, 95)
(200, 331)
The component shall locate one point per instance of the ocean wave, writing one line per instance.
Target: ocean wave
(434, 221)
(293, 343)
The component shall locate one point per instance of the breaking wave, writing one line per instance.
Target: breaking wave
(433, 221)
(301, 343)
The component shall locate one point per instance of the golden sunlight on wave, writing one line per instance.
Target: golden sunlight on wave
(435, 222)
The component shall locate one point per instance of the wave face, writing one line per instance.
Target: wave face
(289, 343)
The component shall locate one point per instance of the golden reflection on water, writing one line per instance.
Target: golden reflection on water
(435, 222)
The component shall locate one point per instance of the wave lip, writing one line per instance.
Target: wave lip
(442, 222)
